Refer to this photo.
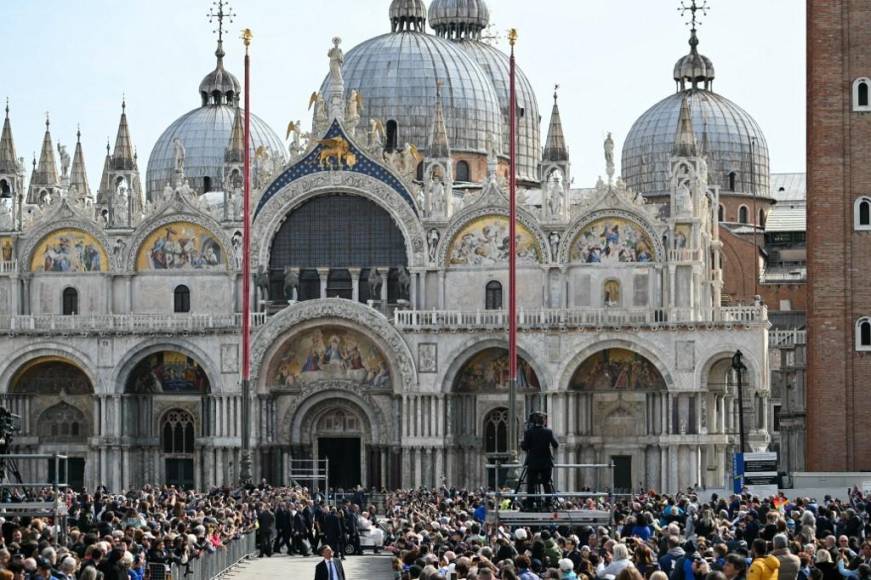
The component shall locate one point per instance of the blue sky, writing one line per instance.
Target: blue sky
(612, 59)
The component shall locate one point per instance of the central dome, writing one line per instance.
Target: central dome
(397, 75)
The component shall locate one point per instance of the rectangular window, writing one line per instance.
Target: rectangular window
(775, 419)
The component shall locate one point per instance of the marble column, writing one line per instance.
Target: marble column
(441, 289)
(384, 276)
(355, 283)
(412, 290)
(323, 274)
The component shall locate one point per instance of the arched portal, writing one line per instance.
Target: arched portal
(53, 396)
(616, 396)
(337, 429)
(338, 232)
(480, 413)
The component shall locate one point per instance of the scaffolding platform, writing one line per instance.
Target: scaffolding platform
(560, 512)
(571, 518)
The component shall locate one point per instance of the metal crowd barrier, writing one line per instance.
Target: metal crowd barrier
(215, 564)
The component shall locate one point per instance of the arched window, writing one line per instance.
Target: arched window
(5, 190)
(392, 135)
(463, 173)
(863, 334)
(496, 431)
(181, 299)
(721, 213)
(419, 175)
(862, 214)
(177, 433)
(733, 178)
(761, 222)
(70, 302)
(493, 298)
(743, 215)
(207, 184)
(861, 98)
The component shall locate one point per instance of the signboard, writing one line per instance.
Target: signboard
(866, 487)
(756, 473)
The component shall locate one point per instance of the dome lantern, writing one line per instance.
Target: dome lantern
(694, 69)
(407, 15)
(459, 19)
(220, 87)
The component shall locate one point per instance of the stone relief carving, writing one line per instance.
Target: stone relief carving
(427, 357)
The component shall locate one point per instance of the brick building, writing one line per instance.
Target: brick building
(839, 218)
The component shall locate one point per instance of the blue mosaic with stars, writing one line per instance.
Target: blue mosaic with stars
(311, 164)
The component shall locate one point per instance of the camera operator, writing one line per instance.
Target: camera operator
(538, 442)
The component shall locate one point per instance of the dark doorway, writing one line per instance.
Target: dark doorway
(180, 472)
(622, 473)
(344, 456)
(72, 472)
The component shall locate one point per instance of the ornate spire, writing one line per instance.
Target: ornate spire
(694, 68)
(105, 184)
(685, 139)
(78, 175)
(219, 12)
(439, 148)
(235, 152)
(122, 158)
(555, 149)
(45, 174)
(8, 157)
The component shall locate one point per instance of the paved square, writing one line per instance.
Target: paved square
(295, 568)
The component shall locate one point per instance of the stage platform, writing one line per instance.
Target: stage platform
(571, 518)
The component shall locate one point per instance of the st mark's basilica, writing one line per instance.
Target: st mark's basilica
(379, 248)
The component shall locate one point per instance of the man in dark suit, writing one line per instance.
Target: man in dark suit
(351, 526)
(282, 529)
(334, 531)
(266, 521)
(539, 443)
(299, 531)
(329, 568)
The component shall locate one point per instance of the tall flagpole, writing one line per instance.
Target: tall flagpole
(245, 467)
(512, 253)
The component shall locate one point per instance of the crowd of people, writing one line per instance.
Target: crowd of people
(446, 534)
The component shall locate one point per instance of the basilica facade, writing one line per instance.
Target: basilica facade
(379, 246)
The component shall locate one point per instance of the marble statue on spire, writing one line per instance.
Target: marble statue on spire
(609, 158)
(336, 97)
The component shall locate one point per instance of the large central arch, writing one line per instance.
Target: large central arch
(293, 195)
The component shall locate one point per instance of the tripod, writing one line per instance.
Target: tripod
(535, 504)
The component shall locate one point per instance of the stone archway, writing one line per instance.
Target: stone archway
(332, 421)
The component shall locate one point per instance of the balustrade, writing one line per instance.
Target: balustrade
(126, 323)
(576, 318)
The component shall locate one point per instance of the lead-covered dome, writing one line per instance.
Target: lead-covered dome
(734, 146)
(205, 134)
(408, 14)
(397, 75)
(495, 63)
(462, 22)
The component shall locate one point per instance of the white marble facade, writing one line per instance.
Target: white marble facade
(385, 349)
